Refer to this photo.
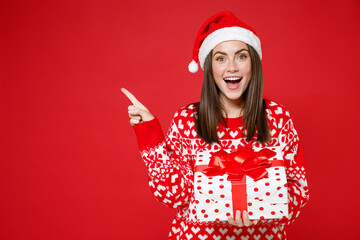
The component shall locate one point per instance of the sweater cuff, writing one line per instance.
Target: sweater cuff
(148, 134)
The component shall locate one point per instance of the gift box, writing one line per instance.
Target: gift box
(251, 179)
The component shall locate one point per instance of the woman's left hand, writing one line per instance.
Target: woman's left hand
(242, 222)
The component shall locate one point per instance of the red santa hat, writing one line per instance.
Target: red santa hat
(219, 28)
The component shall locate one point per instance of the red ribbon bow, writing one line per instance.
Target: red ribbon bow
(238, 163)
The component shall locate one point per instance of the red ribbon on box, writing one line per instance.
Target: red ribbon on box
(236, 165)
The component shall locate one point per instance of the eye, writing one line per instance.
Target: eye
(242, 57)
(220, 59)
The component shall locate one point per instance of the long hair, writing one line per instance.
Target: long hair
(253, 105)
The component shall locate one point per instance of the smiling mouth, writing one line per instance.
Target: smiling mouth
(232, 79)
(232, 83)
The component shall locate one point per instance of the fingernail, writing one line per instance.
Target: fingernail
(255, 222)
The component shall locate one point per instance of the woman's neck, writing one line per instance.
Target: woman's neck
(233, 109)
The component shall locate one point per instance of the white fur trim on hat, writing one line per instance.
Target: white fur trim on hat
(227, 34)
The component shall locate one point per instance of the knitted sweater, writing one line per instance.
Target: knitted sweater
(170, 163)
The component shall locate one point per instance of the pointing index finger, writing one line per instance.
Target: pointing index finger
(132, 98)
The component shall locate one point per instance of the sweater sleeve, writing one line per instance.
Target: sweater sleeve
(298, 194)
(168, 170)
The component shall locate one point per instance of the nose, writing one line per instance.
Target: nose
(232, 67)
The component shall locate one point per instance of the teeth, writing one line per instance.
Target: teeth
(232, 78)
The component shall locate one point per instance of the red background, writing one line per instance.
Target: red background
(70, 167)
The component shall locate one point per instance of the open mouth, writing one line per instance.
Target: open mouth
(232, 79)
(232, 82)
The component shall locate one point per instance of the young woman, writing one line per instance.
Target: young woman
(231, 118)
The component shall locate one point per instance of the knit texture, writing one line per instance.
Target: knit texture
(170, 163)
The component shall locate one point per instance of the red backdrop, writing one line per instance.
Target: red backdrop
(70, 167)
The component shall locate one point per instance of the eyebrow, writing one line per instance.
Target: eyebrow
(235, 53)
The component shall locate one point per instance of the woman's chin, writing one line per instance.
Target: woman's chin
(233, 97)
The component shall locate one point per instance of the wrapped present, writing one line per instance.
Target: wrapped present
(251, 179)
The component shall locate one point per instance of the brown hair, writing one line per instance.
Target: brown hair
(253, 104)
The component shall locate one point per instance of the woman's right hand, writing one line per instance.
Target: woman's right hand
(137, 112)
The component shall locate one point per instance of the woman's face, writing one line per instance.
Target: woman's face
(231, 67)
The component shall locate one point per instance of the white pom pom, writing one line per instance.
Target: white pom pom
(193, 67)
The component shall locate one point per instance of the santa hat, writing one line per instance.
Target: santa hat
(219, 28)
